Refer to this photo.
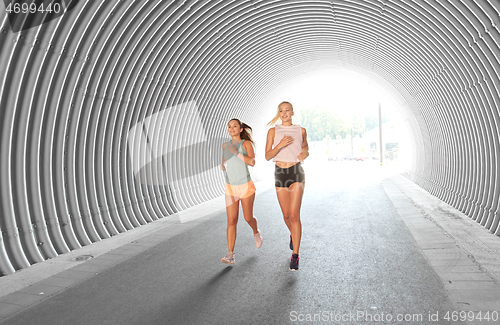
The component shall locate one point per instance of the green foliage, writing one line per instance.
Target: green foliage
(324, 123)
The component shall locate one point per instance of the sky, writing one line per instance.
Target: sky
(340, 90)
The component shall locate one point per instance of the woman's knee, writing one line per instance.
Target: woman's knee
(249, 219)
(232, 221)
(295, 217)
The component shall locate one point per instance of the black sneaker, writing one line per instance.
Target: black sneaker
(294, 263)
(291, 242)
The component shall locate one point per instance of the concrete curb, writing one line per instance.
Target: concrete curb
(463, 253)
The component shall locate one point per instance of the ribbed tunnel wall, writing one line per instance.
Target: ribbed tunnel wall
(113, 114)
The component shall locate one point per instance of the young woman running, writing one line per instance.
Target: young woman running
(238, 154)
(287, 145)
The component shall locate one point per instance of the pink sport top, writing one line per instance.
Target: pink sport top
(290, 152)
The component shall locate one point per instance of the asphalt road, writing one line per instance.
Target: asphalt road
(359, 264)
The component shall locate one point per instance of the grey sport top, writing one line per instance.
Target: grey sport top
(236, 170)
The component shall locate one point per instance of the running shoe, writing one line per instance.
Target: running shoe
(258, 239)
(291, 242)
(294, 262)
(228, 259)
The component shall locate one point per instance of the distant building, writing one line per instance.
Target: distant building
(363, 147)
(390, 141)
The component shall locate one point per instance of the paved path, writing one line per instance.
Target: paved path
(360, 264)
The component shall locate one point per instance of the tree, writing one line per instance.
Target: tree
(322, 123)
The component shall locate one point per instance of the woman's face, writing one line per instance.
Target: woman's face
(233, 127)
(285, 112)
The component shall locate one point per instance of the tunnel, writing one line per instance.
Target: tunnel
(113, 113)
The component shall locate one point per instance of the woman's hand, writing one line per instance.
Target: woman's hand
(223, 167)
(285, 141)
(302, 156)
(232, 149)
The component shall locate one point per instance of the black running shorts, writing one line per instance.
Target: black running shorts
(284, 177)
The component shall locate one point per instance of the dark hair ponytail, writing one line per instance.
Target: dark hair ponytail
(247, 130)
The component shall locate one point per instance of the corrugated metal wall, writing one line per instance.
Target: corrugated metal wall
(113, 113)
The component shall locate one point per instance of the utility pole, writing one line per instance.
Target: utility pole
(380, 134)
(352, 146)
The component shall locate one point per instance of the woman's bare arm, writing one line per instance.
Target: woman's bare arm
(305, 146)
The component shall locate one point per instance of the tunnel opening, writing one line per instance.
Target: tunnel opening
(340, 110)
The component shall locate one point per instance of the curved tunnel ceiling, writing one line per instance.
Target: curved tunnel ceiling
(113, 113)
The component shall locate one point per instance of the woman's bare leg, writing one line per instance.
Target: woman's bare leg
(284, 200)
(295, 202)
(247, 207)
(290, 200)
(232, 209)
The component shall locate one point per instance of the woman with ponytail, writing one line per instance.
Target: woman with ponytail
(287, 145)
(237, 155)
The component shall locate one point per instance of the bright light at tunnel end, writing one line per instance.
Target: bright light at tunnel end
(346, 93)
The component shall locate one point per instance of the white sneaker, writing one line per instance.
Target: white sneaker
(258, 239)
(228, 259)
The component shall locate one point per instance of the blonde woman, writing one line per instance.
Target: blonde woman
(287, 146)
(237, 155)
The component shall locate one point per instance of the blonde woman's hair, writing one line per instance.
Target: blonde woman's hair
(277, 117)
